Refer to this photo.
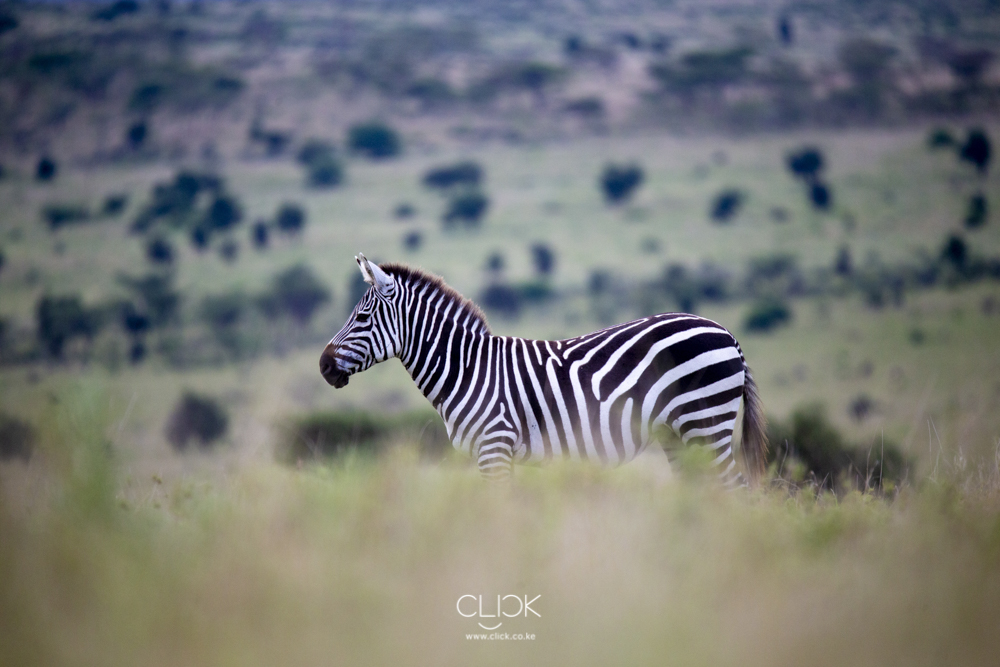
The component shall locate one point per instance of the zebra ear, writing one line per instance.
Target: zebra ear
(373, 274)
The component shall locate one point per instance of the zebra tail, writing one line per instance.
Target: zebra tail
(754, 440)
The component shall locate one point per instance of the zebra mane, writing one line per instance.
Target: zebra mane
(416, 278)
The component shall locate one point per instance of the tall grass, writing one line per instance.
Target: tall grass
(363, 562)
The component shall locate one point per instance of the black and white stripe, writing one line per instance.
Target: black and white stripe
(603, 396)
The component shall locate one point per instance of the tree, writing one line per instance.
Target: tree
(977, 150)
(62, 318)
(291, 219)
(196, 417)
(619, 181)
(726, 205)
(376, 140)
(466, 173)
(467, 208)
(295, 292)
(46, 169)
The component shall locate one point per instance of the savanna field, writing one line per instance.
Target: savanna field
(183, 188)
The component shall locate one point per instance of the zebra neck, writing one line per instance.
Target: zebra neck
(442, 361)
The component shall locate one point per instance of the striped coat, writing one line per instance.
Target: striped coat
(603, 396)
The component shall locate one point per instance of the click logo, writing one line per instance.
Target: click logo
(471, 606)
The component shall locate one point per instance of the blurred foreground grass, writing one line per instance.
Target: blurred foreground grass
(363, 561)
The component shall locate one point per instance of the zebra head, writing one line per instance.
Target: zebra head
(371, 333)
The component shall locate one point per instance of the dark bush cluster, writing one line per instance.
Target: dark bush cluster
(375, 140)
(807, 164)
(326, 434)
(323, 168)
(466, 209)
(977, 150)
(808, 448)
(62, 215)
(196, 417)
(196, 203)
(726, 205)
(619, 181)
(767, 314)
(17, 438)
(60, 319)
(295, 292)
(466, 174)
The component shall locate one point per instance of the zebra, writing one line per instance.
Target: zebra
(601, 397)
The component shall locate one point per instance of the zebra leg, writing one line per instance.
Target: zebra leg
(720, 442)
(718, 439)
(496, 448)
(496, 457)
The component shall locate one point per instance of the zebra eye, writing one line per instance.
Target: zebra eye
(362, 317)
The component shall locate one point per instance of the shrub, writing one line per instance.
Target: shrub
(413, 241)
(115, 10)
(726, 205)
(196, 417)
(977, 150)
(295, 292)
(977, 212)
(940, 137)
(62, 318)
(291, 219)
(766, 315)
(159, 251)
(136, 135)
(46, 169)
(260, 235)
(325, 173)
(327, 434)
(224, 213)
(502, 299)
(955, 252)
(375, 140)
(618, 182)
(543, 258)
(314, 150)
(17, 438)
(156, 293)
(60, 215)
(820, 195)
(811, 440)
(404, 211)
(495, 262)
(133, 321)
(114, 205)
(467, 173)
(806, 163)
(223, 312)
(467, 208)
(843, 265)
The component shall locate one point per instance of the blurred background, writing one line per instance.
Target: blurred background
(184, 185)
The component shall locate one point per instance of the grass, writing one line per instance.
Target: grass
(362, 562)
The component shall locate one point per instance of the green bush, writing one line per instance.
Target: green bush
(467, 209)
(376, 140)
(618, 182)
(196, 417)
(17, 438)
(767, 314)
(60, 215)
(808, 448)
(62, 318)
(296, 293)
(325, 434)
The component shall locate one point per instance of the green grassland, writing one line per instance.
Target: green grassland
(364, 561)
(117, 549)
(902, 198)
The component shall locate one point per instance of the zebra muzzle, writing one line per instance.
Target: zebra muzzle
(330, 371)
